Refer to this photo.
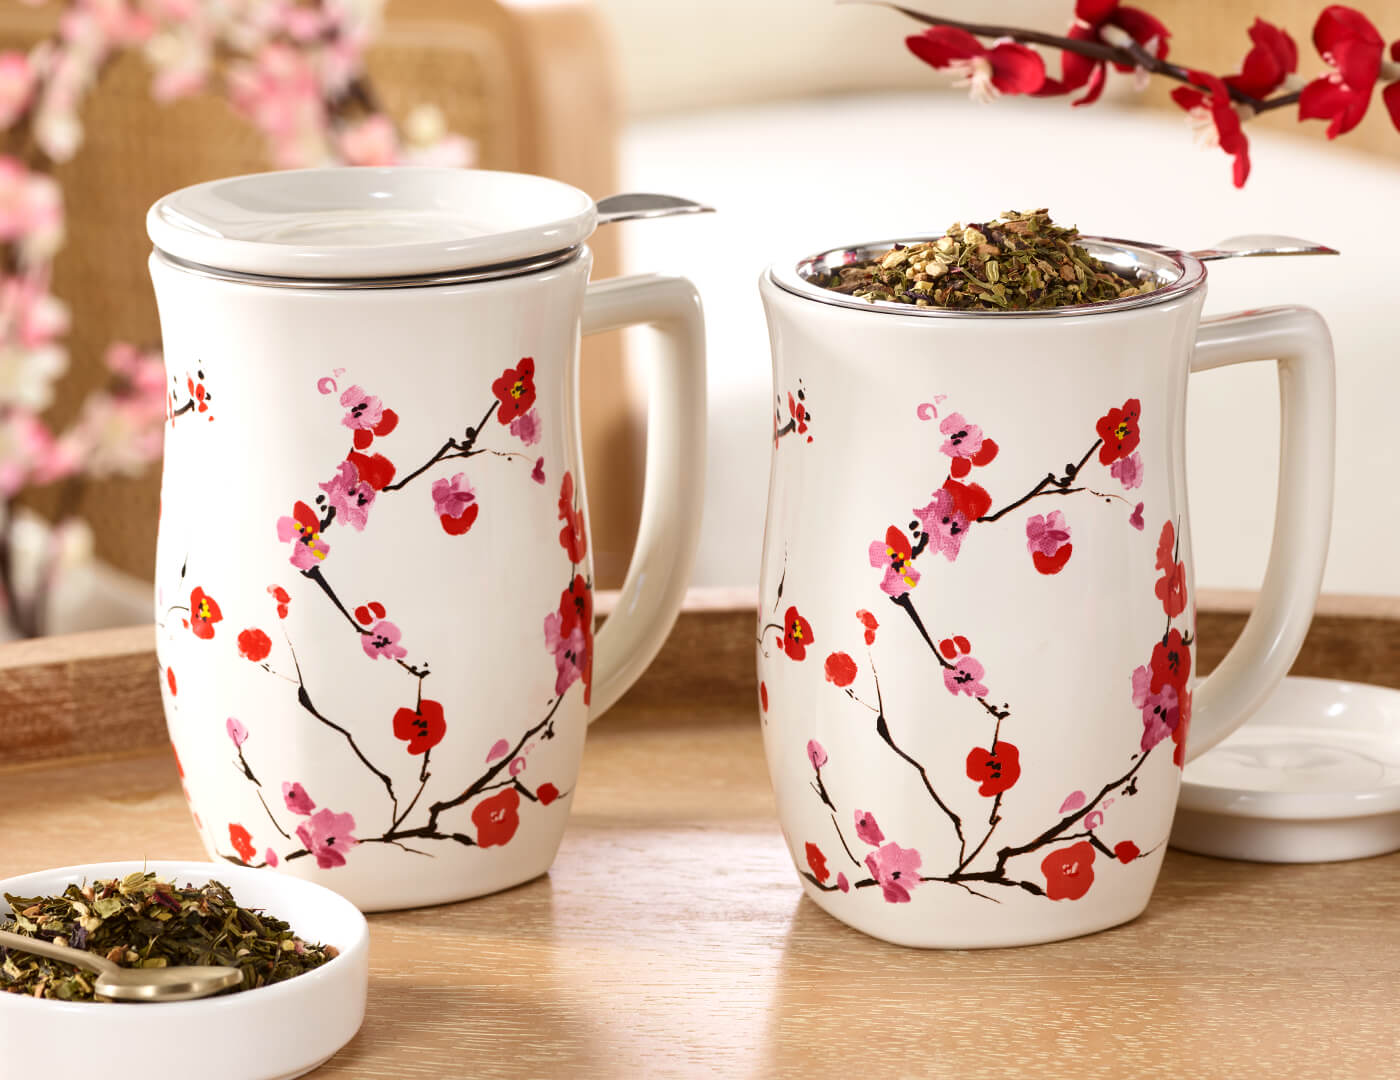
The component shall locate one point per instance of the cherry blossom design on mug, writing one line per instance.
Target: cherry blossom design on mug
(799, 417)
(494, 802)
(1157, 700)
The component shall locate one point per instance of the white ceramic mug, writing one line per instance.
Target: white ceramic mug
(374, 590)
(976, 631)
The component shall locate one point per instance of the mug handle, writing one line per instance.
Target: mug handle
(669, 530)
(1267, 646)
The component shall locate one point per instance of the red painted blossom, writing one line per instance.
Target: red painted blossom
(997, 769)
(170, 680)
(204, 613)
(1211, 105)
(388, 420)
(497, 818)
(1069, 871)
(763, 695)
(375, 469)
(1350, 44)
(371, 612)
(1125, 851)
(954, 647)
(798, 411)
(840, 669)
(242, 842)
(969, 500)
(572, 537)
(254, 645)
(797, 634)
(422, 728)
(1005, 68)
(1171, 663)
(1118, 428)
(1047, 539)
(515, 390)
(176, 752)
(1171, 586)
(281, 597)
(546, 793)
(1182, 729)
(1091, 17)
(817, 861)
(870, 623)
(895, 556)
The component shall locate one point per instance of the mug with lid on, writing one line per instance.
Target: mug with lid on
(976, 638)
(373, 581)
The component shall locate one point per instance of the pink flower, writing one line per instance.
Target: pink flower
(365, 411)
(451, 498)
(34, 316)
(867, 830)
(570, 650)
(1128, 471)
(296, 798)
(965, 444)
(943, 523)
(1047, 539)
(499, 749)
(17, 79)
(843, 883)
(896, 870)
(382, 640)
(270, 857)
(962, 677)
(895, 556)
(1161, 712)
(816, 754)
(372, 141)
(1135, 518)
(349, 496)
(1005, 68)
(236, 731)
(280, 92)
(526, 428)
(328, 836)
(1073, 801)
(303, 529)
(26, 448)
(537, 473)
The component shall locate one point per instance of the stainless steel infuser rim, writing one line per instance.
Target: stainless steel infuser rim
(519, 268)
(1176, 273)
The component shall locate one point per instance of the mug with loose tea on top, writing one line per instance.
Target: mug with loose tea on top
(976, 639)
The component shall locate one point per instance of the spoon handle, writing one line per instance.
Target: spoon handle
(1253, 244)
(646, 205)
(76, 957)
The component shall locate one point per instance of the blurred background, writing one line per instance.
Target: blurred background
(807, 124)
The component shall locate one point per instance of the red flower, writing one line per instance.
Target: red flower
(282, 597)
(1118, 428)
(1272, 59)
(1171, 586)
(763, 695)
(1182, 727)
(970, 500)
(1091, 16)
(377, 471)
(170, 679)
(388, 420)
(797, 634)
(572, 537)
(954, 646)
(422, 728)
(515, 390)
(576, 610)
(371, 612)
(546, 793)
(1350, 43)
(840, 669)
(996, 769)
(817, 861)
(497, 818)
(798, 410)
(1218, 110)
(870, 623)
(242, 842)
(254, 645)
(1126, 851)
(204, 613)
(1171, 665)
(1069, 872)
(1005, 68)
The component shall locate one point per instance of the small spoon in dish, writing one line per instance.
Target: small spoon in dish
(1243, 247)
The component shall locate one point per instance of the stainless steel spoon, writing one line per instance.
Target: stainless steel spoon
(645, 205)
(1243, 247)
(117, 983)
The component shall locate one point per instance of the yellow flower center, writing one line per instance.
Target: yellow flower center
(517, 389)
(204, 609)
(1121, 431)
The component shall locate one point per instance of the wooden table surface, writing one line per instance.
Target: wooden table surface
(671, 939)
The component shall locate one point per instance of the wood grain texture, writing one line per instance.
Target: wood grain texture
(671, 939)
(96, 692)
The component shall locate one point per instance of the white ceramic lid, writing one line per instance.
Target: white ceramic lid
(369, 223)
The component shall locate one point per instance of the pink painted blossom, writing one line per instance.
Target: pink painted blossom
(349, 496)
(570, 650)
(303, 531)
(1161, 711)
(1093, 819)
(516, 767)
(867, 829)
(452, 497)
(236, 731)
(372, 141)
(365, 410)
(499, 749)
(1046, 534)
(537, 473)
(270, 857)
(296, 798)
(843, 883)
(1073, 801)
(383, 640)
(896, 870)
(964, 439)
(944, 524)
(895, 556)
(328, 836)
(816, 753)
(526, 428)
(1128, 471)
(964, 677)
(1135, 518)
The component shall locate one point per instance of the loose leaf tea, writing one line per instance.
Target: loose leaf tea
(141, 921)
(1021, 262)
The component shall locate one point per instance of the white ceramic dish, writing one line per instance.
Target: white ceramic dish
(277, 1031)
(1313, 776)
